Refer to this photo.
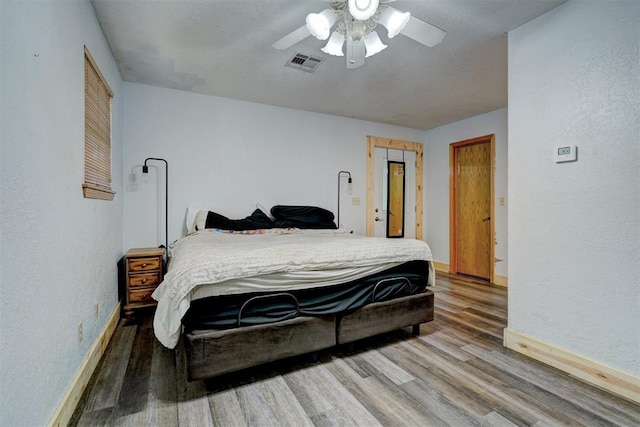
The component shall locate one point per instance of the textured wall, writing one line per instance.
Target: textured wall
(228, 155)
(436, 155)
(574, 228)
(59, 251)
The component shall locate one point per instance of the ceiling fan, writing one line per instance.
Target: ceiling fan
(356, 23)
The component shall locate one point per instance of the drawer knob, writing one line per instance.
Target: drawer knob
(144, 265)
(144, 280)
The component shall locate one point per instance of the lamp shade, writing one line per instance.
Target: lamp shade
(319, 24)
(373, 44)
(334, 45)
(363, 9)
(394, 20)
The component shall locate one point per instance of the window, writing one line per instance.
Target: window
(97, 132)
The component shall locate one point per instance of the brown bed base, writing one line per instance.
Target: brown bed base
(213, 353)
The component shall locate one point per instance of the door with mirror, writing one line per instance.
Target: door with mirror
(394, 191)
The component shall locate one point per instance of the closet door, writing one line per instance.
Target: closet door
(472, 208)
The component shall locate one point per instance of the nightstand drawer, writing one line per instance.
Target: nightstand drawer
(144, 279)
(142, 264)
(141, 295)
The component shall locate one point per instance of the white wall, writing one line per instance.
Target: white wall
(59, 250)
(228, 155)
(436, 206)
(574, 228)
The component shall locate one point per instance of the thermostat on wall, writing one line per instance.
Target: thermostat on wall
(567, 153)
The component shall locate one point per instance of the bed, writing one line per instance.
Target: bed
(282, 286)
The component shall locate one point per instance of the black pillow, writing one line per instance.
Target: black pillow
(302, 217)
(255, 221)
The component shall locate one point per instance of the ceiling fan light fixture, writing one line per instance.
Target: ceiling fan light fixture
(334, 45)
(355, 24)
(363, 9)
(319, 24)
(394, 21)
(373, 44)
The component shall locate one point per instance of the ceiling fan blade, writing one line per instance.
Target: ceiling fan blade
(292, 38)
(422, 32)
(355, 53)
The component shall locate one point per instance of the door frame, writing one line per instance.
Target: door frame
(453, 249)
(374, 142)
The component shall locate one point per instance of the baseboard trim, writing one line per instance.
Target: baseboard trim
(500, 280)
(441, 266)
(603, 376)
(64, 411)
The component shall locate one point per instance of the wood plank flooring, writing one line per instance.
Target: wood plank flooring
(456, 373)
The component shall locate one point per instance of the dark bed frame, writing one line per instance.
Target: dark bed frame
(216, 352)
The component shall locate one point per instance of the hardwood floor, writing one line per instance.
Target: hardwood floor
(455, 373)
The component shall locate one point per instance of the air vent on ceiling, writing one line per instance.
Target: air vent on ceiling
(304, 62)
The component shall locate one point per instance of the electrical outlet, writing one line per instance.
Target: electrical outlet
(80, 332)
(96, 310)
(501, 201)
(355, 201)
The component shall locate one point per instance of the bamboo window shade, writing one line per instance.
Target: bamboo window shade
(97, 132)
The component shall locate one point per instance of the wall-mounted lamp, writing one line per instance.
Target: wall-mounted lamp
(349, 189)
(145, 172)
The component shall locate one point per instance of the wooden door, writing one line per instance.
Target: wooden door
(472, 208)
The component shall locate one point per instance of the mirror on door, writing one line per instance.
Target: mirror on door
(395, 198)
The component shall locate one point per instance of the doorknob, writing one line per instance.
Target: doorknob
(379, 219)
(486, 219)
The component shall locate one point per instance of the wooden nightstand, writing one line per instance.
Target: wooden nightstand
(143, 274)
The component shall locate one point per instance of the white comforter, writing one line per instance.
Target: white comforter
(210, 257)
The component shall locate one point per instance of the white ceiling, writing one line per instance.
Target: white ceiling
(223, 48)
